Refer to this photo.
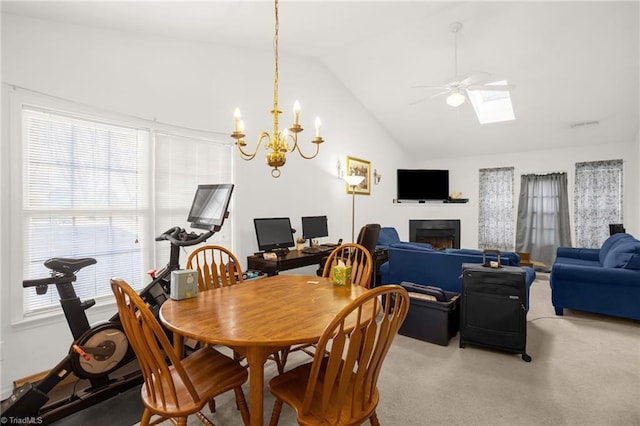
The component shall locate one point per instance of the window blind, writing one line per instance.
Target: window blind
(84, 189)
(183, 162)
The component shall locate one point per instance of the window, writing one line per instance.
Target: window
(495, 213)
(543, 216)
(597, 201)
(184, 162)
(492, 106)
(94, 186)
(84, 195)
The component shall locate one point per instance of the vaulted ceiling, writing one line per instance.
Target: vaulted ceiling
(571, 62)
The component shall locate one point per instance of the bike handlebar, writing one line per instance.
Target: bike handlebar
(179, 237)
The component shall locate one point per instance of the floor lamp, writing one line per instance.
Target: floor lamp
(353, 181)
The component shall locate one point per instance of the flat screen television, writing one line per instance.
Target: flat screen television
(423, 184)
(274, 234)
(314, 227)
(209, 206)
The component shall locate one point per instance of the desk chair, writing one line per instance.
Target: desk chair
(174, 388)
(367, 237)
(341, 388)
(217, 267)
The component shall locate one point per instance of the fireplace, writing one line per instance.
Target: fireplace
(441, 234)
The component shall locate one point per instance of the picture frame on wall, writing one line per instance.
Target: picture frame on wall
(359, 167)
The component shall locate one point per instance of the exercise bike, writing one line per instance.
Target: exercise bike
(98, 351)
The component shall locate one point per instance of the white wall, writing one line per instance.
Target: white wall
(464, 178)
(196, 86)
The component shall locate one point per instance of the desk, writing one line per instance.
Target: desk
(293, 259)
(258, 318)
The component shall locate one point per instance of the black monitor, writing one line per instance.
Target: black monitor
(314, 227)
(274, 234)
(209, 207)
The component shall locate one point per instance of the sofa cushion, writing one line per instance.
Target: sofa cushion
(577, 261)
(412, 246)
(506, 257)
(612, 242)
(623, 255)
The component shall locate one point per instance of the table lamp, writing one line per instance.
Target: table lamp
(353, 181)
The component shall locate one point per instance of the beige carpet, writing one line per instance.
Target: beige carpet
(585, 371)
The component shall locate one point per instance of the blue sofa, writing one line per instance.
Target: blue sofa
(604, 280)
(437, 268)
(389, 237)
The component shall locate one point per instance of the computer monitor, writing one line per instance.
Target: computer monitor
(314, 227)
(274, 234)
(209, 207)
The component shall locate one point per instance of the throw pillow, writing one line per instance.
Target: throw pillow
(620, 255)
(631, 261)
(612, 242)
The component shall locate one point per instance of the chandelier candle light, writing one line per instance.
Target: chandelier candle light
(278, 141)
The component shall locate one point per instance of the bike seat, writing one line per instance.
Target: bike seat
(67, 265)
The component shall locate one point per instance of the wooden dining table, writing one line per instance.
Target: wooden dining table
(258, 318)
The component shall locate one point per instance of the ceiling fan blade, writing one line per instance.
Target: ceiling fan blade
(429, 97)
(441, 93)
(475, 78)
(493, 87)
(428, 87)
(419, 101)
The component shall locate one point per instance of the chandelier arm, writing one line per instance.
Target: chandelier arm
(250, 156)
(296, 147)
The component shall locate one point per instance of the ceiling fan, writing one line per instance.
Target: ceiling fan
(457, 89)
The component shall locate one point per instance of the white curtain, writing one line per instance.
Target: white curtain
(597, 200)
(543, 216)
(495, 213)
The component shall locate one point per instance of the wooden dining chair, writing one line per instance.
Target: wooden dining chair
(339, 387)
(360, 260)
(356, 256)
(216, 265)
(174, 388)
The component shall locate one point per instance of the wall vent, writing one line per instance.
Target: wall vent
(584, 123)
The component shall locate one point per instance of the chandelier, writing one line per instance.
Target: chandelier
(279, 141)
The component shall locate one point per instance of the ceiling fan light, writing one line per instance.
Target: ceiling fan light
(455, 99)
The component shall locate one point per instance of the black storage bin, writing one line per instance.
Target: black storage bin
(431, 321)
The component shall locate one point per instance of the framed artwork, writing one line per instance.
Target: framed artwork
(356, 166)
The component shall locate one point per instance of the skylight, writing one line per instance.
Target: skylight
(492, 106)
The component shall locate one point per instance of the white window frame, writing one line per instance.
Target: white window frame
(14, 100)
